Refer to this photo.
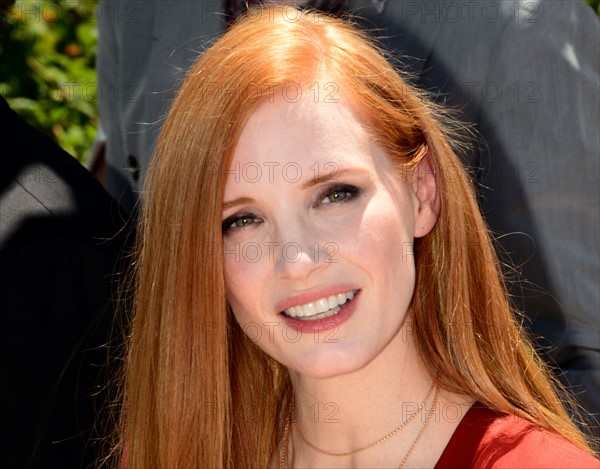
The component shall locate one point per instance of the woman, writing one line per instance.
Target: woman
(349, 310)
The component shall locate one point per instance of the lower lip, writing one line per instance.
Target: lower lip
(319, 325)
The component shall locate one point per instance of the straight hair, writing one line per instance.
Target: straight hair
(196, 391)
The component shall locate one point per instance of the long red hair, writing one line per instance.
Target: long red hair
(197, 392)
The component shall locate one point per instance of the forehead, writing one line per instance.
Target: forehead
(299, 130)
(287, 144)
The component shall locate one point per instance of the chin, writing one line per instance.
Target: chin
(320, 363)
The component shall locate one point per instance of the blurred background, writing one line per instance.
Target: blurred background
(47, 68)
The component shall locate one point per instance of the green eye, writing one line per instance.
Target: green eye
(243, 221)
(335, 197)
(239, 222)
(339, 193)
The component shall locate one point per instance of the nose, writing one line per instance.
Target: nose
(299, 249)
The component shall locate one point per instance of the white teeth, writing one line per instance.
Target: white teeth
(322, 305)
(322, 308)
(309, 309)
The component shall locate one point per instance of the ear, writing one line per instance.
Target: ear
(427, 197)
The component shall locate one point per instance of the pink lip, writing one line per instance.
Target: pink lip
(312, 296)
(333, 322)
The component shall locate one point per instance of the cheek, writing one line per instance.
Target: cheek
(385, 230)
(248, 277)
(383, 247)
(240, 282)
(242, 263)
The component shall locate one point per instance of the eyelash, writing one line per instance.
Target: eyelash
(349, 192)
(226, 226)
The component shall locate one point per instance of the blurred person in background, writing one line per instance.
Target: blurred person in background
(61, 235)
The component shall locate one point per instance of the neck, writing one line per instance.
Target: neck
(346, 412)
(343, 413)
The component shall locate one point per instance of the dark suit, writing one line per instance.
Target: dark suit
(60, 235)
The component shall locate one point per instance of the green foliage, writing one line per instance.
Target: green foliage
(47, 69)
(595, 4)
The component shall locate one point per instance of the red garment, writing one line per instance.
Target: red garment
(488, 439)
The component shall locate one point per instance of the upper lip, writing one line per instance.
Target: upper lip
(312, 295)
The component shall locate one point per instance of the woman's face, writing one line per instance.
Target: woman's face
(318, 231)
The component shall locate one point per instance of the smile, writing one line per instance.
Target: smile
(321, 308)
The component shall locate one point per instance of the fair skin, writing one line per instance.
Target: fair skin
(315, 216)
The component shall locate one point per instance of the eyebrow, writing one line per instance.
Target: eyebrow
(238, 201)
(327, 176)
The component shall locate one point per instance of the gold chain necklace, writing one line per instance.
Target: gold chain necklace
(422, 430)
(292, 418)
